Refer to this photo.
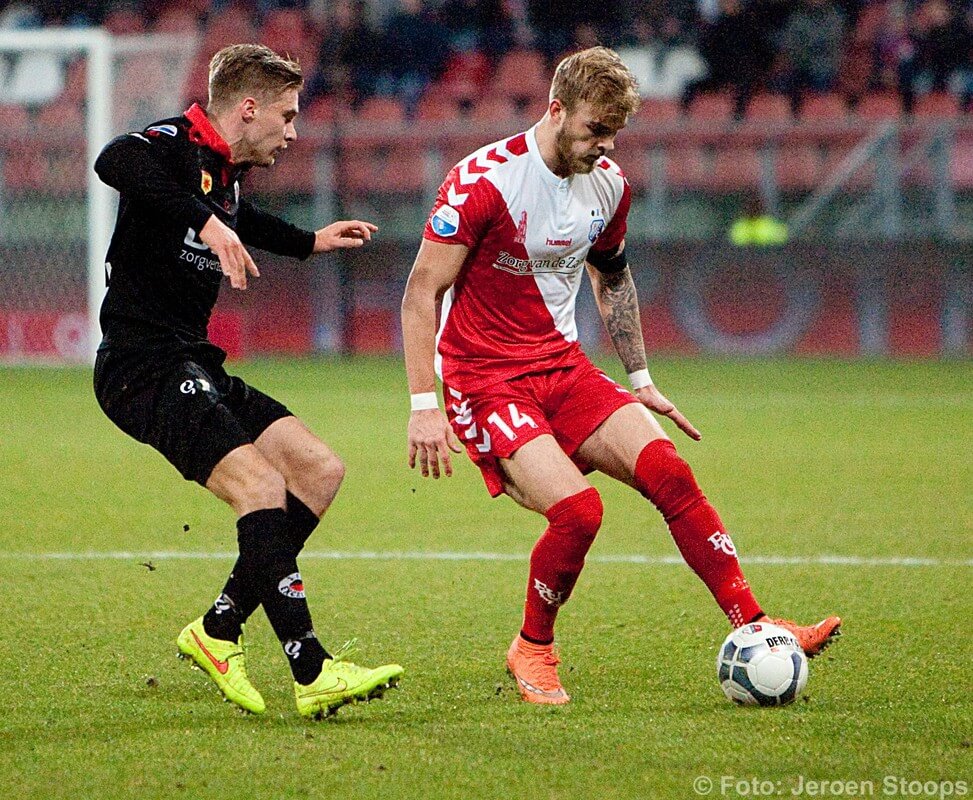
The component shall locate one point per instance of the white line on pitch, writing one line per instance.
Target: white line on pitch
(399, 555)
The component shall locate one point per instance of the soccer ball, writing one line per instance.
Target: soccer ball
(761, 664)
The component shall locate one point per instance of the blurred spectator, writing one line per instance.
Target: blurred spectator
(348, 57)
(19, 16)
(940, 41)
(662, 65)
(412, 52)
(737, 53)
(811, 46)
(478, 25)
(556, 21)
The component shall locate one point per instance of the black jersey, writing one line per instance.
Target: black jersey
(162, 280)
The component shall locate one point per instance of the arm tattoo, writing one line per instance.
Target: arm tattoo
(620, 311)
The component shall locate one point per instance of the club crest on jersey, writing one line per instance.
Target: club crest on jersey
(596, 229)
(168, 130)
(206, 182)
(521, 235)
(445, 222)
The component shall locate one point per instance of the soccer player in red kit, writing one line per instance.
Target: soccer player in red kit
(513, 228)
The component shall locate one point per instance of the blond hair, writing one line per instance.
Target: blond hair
(596, 75)
(242, 69)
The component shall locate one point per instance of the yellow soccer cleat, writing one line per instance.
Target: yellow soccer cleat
(342, 682)
(224, 662)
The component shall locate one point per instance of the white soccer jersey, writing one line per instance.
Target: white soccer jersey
(511, 309)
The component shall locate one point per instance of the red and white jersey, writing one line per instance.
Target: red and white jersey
(511, 309)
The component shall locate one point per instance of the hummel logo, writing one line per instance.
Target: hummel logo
(221, 666)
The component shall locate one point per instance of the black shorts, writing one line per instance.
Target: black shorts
(193, 413)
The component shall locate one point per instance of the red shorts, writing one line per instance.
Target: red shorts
(568, 403)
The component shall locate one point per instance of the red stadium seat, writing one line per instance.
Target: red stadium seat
(381, 109)
(961, 164)
(24, 169)
(712, 107)
(293, 173)
(467, 74)
(434, 107)
(76, 81)
(321, 111)
(735, 170)
(769, 108)
(938, 105)
(175, 20)
(142, 76)
(494, 109)
(13, 117)
(879, 106)
(521, 74)
(635, 166)
(824, 107)
(124, 22)
(230, 26)
(798, 168)
(62, 116)
(658, 109)
(687, 167)
(405, 170)
(285, 32)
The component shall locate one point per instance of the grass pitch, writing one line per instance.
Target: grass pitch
(869, 462)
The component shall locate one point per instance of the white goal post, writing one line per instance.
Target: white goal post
(49, 77)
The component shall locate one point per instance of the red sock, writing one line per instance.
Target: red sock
(557, 559)
(667, 480)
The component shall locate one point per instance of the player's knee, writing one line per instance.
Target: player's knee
(590, 512)
(265, 487)
(320, 478)
(579, 515)
(666, 479)
(332, 472)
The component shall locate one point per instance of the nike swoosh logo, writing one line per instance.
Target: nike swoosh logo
(537, 690)
(339, 685)
(221, 666)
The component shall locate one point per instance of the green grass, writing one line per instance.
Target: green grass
(802, 458)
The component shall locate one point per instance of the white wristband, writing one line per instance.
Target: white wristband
(424, 401)
(640, 379)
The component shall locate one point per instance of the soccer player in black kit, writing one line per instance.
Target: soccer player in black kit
(181, 227)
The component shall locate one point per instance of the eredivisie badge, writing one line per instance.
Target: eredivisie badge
(445, 222)
(206, 182)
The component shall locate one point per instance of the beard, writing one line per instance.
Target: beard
(569, 162)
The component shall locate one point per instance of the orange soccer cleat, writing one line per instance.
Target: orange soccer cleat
(813, 638)
(534, 667)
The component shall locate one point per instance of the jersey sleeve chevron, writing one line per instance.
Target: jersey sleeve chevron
(466, 206)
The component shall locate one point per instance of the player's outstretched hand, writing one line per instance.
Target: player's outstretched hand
(345, 233)
(235, 261)
(655, 401)
(430, 440)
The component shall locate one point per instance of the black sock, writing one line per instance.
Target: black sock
(237, 602)
(301, 522)
(224, 619)
(267, 564)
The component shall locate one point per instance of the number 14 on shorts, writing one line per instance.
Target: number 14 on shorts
(517, 419)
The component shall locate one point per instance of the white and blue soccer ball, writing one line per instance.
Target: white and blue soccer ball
(762, 664)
